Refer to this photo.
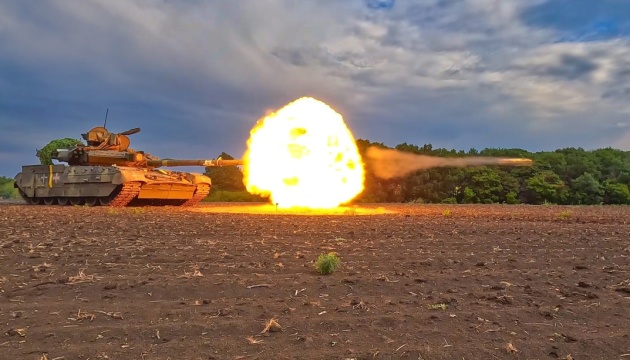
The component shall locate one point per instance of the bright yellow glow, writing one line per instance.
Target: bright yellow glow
(303, 156)
(269, 209)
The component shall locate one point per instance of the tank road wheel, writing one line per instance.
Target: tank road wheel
(50, 200)
(91, 201)
(36, 201)
(200, 193)
(74, 201)
(103, 201)
(62, 201)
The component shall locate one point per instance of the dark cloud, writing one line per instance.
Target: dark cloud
(567, 66)
(195, 76)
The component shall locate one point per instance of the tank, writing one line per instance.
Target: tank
(108, 172)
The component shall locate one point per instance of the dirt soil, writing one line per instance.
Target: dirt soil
(486, 282)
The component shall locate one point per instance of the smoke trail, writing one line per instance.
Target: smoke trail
(390, 163)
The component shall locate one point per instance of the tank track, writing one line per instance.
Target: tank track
(128, 196)
(200, 193)
(128, 192)
(26, 199)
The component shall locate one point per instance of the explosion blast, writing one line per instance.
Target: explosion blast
(303, 156)
(390, 163)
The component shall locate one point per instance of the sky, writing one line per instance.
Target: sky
(195, 75)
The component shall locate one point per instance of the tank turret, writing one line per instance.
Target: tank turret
(108, 149)
(107, 171)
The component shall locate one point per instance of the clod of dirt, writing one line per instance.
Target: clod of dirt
(224, 312)
(580, 267)
(480, 263)
(623, 289)
(583, 284)
(547, 314)
(17, 314)
(569, 338)
(503, 299)
(13, 332)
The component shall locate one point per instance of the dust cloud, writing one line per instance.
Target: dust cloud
(390, 163)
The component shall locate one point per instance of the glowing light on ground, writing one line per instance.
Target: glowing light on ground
(303, 156)
(269, 209)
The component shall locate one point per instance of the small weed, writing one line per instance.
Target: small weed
(137, 211)
(327, 263)
(438, 306)
(510, 348)
(272, 326)
(565, 214)
(112, 211)
(447, 213)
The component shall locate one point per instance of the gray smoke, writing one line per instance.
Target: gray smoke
(390, 163)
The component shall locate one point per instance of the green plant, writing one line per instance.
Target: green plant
(45, 154)
(327, 263)
(447, 213)
(438, 306)
(565, 214)
(7, 191)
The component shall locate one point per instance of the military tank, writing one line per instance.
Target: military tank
(108, 172)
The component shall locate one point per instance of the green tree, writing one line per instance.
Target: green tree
(616, 193)
(587, 190)
(7, 191)
(226, 178)
(486, 184)
(545, 186)
(45, 153)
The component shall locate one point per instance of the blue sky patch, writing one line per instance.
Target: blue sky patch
(582, 20)
(380, 4)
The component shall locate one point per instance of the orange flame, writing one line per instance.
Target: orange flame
(304, 156)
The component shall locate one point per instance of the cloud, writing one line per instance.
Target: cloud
(460, 74)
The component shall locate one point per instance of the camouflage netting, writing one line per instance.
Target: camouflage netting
(45, 154)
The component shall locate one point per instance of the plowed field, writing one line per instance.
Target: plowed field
(483, 282)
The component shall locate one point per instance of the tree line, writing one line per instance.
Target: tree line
(7, 191)
(569, 176)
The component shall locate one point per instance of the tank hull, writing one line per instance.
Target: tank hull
(109, 185)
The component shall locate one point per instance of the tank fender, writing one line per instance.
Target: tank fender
(124, 176)
(197, 178)
(16, 179)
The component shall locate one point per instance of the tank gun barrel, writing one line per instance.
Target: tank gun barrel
(213, 162)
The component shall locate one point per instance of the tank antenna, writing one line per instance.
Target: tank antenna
(107, 112)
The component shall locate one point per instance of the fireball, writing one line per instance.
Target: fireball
(303, 156)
